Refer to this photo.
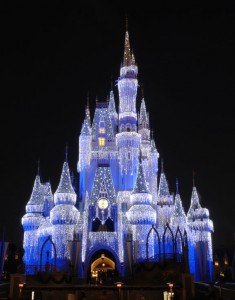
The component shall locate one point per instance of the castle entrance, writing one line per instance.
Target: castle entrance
(102, 267)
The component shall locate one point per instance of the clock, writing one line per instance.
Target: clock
(103, 203)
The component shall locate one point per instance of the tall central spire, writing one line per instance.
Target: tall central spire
(129, 58)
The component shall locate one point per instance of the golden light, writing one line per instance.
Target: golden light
(119, 284)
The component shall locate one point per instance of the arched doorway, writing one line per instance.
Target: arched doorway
(103, 267)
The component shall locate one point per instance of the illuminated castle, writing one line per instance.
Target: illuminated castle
(121, 214)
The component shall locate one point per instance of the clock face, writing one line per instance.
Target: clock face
(103, 203)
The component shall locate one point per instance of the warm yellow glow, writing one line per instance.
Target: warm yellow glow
(216, 263)
(119, 284)
(101, 130)
(101, 141)
(103, 260)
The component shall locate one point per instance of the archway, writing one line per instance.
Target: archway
(48, 240)
(103, 267)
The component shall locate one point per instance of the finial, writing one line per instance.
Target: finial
(111, 82)
(66, 152)
(87, 103)
(177, 185)
(194, 178)
(162, 165)
(142, 90)
(126, 23)
(39, 167)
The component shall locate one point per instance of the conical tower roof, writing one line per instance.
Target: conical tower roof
(178, 208)
(65, 185)
(163, 189)
(195, 203)
(86, 127)
(143, 114)
(128, 59)
(140, 185)
(36, 196)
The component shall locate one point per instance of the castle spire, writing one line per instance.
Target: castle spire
(144, 120)
(86, 127)
(128, 58)
(178, 217)
(140, 185)
(163, 189)
(65, 185)
(195, 202)
(35, 197)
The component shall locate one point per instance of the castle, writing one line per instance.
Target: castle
(122, 213)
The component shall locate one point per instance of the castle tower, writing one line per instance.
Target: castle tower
(178, 218)
(165, 201)
(113, 112)
(149, 152)
(31, 222)
(141, 215)
(64, 216)
(200, 228)
(84, 153)
(128, 140)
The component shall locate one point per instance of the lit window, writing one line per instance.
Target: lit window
(101, 141)
(101, 130)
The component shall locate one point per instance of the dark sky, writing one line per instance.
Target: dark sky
(52, 56)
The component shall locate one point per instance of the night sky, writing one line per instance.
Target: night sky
(53, 56)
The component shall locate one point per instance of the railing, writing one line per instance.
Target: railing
(34, 269)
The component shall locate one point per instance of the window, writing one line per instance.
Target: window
(101, 141)
(101, 130)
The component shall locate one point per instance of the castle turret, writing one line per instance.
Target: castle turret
(64, 216)
(143, 125)
(153, 170)
(113, 112)
(84, 152)
(31, 222)
(148, 151)
(165, 201)
(48, 199)
(85, 143)
(178, 218)
(141, 214)
(200, 240)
